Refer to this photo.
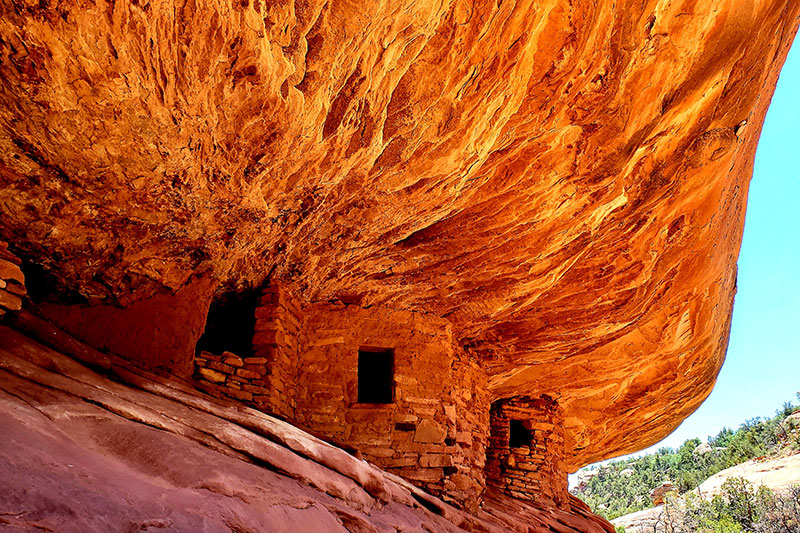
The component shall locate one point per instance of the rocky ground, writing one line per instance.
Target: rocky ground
(777, 474)
(99, 446)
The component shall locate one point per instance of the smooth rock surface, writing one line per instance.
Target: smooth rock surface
(564, 181)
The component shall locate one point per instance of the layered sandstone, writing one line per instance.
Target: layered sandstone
(563, 182)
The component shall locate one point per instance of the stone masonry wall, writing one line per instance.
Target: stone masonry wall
(278, 322)
(267, 380)
(531, 471)
(305, 369)
(471, 398)
(433, 433)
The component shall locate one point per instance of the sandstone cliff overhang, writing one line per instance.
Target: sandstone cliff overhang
(564, 182)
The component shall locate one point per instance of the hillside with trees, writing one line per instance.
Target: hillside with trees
(622, 487)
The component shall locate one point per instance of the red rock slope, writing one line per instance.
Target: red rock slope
(564, 181)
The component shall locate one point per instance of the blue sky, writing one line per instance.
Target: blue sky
(762, 368)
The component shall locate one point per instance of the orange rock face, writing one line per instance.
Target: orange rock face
(565, 182)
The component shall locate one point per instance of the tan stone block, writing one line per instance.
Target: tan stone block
(220, 367)
(428, 475)
(327, 341)
(212, 375)
(10, 301)
(239, 395)
(332, 408)
(462, 481)
(435, 459)
(259, 369)
(378, 451)
(320, 418)
(15, 288)
(9, 270)
(463, 437)
(429, 431)
(398, 462)
(366, 415)
(210, 356)
(405, 417)
(415, 401)
(233, 361)
(256, 389)
(255, 360)
(249, 374)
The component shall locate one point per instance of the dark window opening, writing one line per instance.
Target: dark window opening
(519, 435)
(231, 324)
(375, 375)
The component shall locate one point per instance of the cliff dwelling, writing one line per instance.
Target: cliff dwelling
(376, 267)
(390, 384)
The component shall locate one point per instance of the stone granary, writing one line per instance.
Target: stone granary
(393, 385)
(481, 244)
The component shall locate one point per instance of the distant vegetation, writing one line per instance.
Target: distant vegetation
(741, 507)
(624, 486)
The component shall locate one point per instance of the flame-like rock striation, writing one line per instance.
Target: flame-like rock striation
(565, 182)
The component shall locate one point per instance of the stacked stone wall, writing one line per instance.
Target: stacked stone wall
(278, 322)
(158, 333)
(470, 397)
(535, 470)
(305, 368)
(433, 433)
(267, 380)
(242, 378)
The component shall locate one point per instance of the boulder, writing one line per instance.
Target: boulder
(658, 494)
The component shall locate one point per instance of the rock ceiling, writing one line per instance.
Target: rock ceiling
(565, 181)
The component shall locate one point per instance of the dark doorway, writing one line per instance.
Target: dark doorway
(231, 324)
(519, 435)
(375, 375)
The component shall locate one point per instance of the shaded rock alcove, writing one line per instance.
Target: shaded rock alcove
(230, 323)
(535, 205)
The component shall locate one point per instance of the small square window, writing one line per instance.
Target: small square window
(519, 435)
(375, 375)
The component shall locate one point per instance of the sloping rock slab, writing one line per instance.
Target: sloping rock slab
(778, 474)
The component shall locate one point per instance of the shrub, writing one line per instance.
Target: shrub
(612, 494)
(740, 507)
